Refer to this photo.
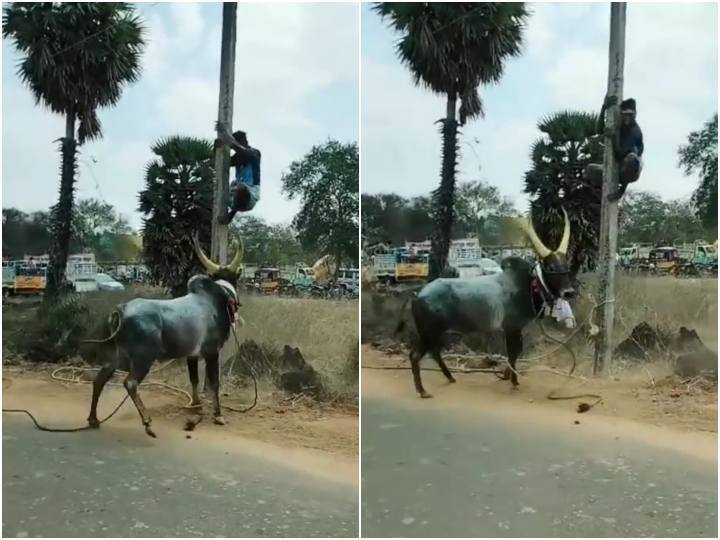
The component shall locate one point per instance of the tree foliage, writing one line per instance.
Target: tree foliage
(566, 145)
(76, 58)
(271, 244)
(646, 218)
(479, 206)
(700, 155)
(451, 49)
(326, 182)
(25, 233)
(392, 219)
(176, 203)
(97, 227)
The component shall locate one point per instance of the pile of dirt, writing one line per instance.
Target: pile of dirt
(288, 370)
(694, 358)
(641, 344)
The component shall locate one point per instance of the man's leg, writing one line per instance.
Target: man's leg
(239, 200)
(629, 172)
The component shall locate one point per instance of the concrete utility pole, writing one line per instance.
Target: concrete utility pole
(605, 314)
(219, 237)
(218, 248)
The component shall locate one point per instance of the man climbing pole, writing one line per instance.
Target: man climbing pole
(628, 146)
(245, 188)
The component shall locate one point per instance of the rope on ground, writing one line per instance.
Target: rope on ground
(552, 395)
(77, 379)
(252, 374)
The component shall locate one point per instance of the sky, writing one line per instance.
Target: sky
(296, 85)
(670, 69)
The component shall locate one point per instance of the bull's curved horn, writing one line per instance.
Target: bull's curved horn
(537, 244)
(234, 265)
(565, 241)
(210, 266)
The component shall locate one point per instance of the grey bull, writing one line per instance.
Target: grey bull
(505, 302)
(197, 324)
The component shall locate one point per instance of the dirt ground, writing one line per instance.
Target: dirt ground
(644, 395)
(276, 426)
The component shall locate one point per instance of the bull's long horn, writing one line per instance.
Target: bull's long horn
(234, 265)
(565, 241)
(210, 266)
(539, 247)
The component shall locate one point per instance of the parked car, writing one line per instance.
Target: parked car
(106, 283)
(477, 268)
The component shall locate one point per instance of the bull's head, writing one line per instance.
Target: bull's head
(229, 272)
(553, 264)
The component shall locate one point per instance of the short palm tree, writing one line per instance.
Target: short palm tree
(176, 203)
(566, 145)
(453, 48)
(76, 58)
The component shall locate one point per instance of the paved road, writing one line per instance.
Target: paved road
(435, 474)
(90, 485)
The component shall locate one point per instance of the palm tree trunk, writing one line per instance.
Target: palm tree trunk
(63, 210)
(444, 196)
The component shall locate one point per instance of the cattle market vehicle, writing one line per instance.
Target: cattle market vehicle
(665, 260)
(299, 282)
(383, 266)
(476, 268)
(8, 278)
(412, 268)
(634, 257)
(348, 280)
(704, 259)
(30, 279)
(268, 280)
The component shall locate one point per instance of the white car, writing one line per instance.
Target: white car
(106, 283)
(478, 267)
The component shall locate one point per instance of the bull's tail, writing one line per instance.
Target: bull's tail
(114, 317)
(401, 322)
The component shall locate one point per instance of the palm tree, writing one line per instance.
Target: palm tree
(76, 58)
(566, 145)
(453, 48)
(176, 203)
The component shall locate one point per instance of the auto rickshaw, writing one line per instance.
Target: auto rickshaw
(268, 280)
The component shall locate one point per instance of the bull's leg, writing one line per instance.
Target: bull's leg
(131, 383)
(192, 364)
(415, 357)
(195, 403)
(212, 367)
(514, 344)
(103, 376)
(438, 358)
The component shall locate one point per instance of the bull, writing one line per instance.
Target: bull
(505, 301)
(197, 324)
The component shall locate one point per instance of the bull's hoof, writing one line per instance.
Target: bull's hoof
(425, 395)
(515, 386)
(506, 374)
(150, 432)
(452, 380)
(219, 420)
(94, 423)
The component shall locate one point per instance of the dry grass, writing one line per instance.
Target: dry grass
(663, 302)
(326, 332)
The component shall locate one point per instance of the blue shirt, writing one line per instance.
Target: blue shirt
(247, 166)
